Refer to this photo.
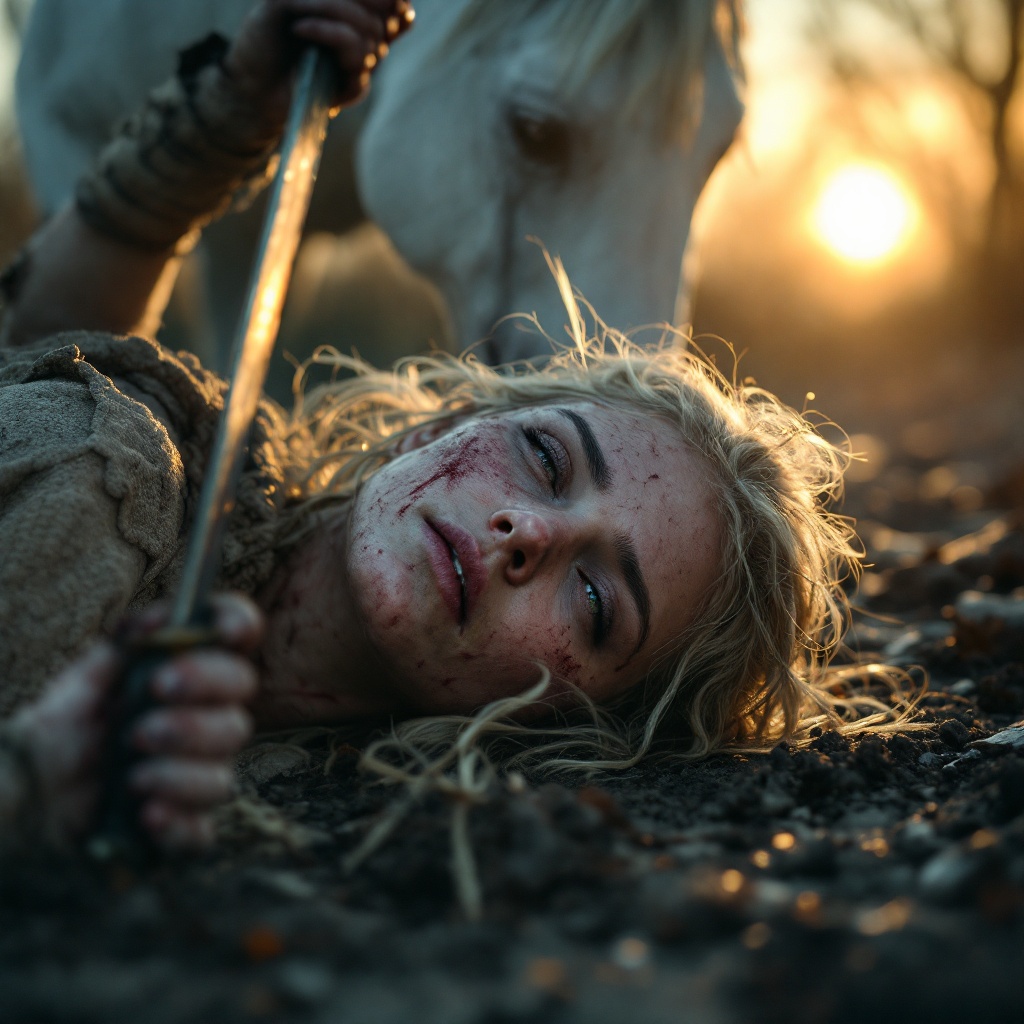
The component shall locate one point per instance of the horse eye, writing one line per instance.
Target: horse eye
(543, 140)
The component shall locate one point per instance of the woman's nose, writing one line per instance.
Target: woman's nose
(524, 539)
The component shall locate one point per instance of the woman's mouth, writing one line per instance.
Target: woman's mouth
(458, 567)
(462, 579)
(448, 572)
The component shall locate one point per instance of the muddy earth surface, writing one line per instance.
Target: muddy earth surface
(860, 879)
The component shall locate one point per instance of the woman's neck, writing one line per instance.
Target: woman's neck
(315, 664)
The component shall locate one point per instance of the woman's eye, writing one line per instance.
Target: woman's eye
(596, 610)
(551, 456)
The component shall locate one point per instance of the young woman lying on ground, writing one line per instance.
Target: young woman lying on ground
(411, 544)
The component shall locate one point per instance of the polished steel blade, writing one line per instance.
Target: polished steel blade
(254, 341)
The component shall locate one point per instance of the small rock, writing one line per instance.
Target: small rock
(305, 981)
(974, 606)
(815, 857)
(903, 644)
(917, 840)
(631, 953)
(989, 624)
(961, 762)
(769, 897)
(267, 761)
(776, 801)
(695, 853)
(957, 873)
(954, 734)
(949, 877)
(929, 759)
(1011, 738)
(284, 883)
(963, 688)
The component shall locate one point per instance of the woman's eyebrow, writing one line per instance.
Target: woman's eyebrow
(591, 449)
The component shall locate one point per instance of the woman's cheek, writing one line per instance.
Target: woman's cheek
(516, 662)
(383, 585)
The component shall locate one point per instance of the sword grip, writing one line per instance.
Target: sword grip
(119, 835)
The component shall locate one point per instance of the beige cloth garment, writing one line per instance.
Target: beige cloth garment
(97, 493)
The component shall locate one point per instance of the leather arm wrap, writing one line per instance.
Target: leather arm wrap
(183, 160)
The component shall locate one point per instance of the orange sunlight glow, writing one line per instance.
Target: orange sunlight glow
(864, 214)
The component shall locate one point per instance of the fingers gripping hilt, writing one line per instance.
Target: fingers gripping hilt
(119, 833)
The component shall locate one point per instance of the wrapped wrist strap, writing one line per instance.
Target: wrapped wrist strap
(182, 160)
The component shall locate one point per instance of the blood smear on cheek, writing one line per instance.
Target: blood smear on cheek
(472, 454)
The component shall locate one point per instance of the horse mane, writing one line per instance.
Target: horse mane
(663, 41)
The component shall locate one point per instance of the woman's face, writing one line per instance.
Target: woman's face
(580, 536)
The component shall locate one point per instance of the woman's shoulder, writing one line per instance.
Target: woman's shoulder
(176, 381)
(124, 420)
(92, 502)
(64, 400)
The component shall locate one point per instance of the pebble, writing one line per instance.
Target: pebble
(963, 688)
(630, 953)
(962, 762)
(1006, 739)
(284, 883)
(917, 840)
(991, 624)
(305, 981)
(929, 759)
(267, 761)
(946, 877)
(954, 734)
(903, 644)
(976, 607)
(770, 897)
(695, 853)
(776, 801)
(953, 875)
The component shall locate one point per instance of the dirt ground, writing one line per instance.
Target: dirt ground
(875, 879)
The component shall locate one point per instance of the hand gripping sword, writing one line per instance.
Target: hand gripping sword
(119, 835)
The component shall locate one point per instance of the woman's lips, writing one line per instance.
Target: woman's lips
(439, 555)
(470, 557)
(450, 546)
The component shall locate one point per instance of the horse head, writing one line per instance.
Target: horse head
(588, 128)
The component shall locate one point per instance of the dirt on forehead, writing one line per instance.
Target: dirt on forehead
(866, 879)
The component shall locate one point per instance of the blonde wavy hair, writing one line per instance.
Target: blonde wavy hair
(753, 667)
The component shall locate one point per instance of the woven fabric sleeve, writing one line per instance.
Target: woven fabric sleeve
(91, 503)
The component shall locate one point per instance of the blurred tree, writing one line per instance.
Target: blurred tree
(973, 51)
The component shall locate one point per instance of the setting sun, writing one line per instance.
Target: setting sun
(864, 213)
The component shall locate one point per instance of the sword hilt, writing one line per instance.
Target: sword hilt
(119, 835)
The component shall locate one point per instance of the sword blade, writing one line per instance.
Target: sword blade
(257, 331)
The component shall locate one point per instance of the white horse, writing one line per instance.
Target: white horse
(590, 127)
